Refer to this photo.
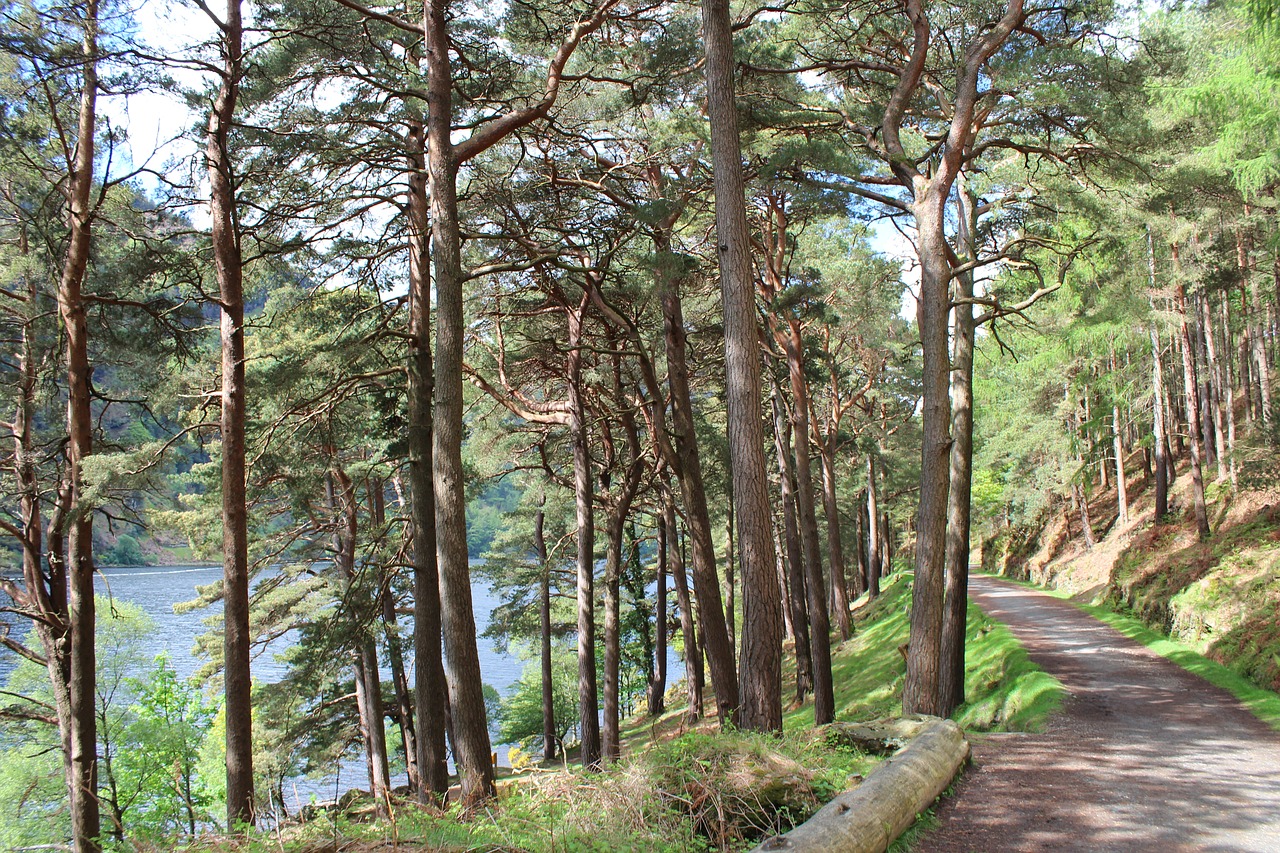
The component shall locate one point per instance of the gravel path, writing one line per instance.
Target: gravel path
(1143, 756)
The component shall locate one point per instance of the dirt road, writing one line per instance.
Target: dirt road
(1143, 756)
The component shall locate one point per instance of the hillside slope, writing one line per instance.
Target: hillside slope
(1221, 597)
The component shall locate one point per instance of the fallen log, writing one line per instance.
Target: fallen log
(869, 817)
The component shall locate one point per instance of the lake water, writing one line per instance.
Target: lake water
(156, 589)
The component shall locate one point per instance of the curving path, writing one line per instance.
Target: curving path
(1143, 755)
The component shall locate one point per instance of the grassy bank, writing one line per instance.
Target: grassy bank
(690, 787)
(1005, 691)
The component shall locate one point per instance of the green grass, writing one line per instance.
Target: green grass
(1264, 704)
(1005, 690)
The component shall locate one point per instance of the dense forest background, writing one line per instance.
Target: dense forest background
(682, 328)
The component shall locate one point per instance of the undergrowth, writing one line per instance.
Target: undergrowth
(705, 790)
(696, 792)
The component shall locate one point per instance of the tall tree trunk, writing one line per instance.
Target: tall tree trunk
(1104, 472)
(1261, 370)
(956, 593)
(45, 596)
(471, 728)
(544, 624)
(924, 652)
(81, 618)
(229, 266)
(1245, 353)
(1204, 389)
(761, 662)
(1122, 485)
(658, 684)
(815, 588)
(618, 515)
(1253, 368)
(784, 588)
(610, 745)
(588, 692)
(400, 681)
(430, 689)
(1229, 390)
(835, 547)
(368, 684)
(797, 601)
(1193, 418)
(875, 533)
(711, 617)
(1215, 385)
(1157, 398)
(386, 602)
(1080, 485)
(730, 585)
(886, 544)
(692, 650)
(1190, 386)
(861, 527)
(637, 588)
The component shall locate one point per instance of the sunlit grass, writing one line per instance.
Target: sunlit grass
(1005, 690)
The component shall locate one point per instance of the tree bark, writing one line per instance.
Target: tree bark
(43, 596)
(1157, 398)
(229, 267)
(1258, 367)
(1204, 388)
(428, 675)
(618, 515)
(862, 525)
(924, 653)
(886, 544)
(544, 624)
(815, 588)
(400, 681)
(835, 547)
(930, 190)
(368, 684)
(1122, 485)
(875, 533)
(386, 602)
(784, 588)
(956, 592)
(1215, 385)
(610, 747)
(711, 617)
(1190, 388)
(588, 691)
(658, 684)
(471, 729)
(81, 617)
(761, 662)
(1228, 384)
(797, 600)
(692, 652)
(730, 582)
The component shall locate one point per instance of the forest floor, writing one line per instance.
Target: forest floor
(1142, 756)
